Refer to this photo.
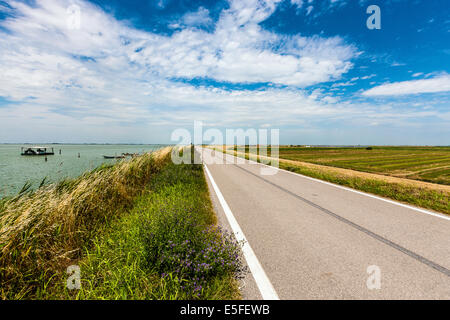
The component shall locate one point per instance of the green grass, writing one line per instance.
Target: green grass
(149, 253)
(45, 230)
(430, 164)
(437, 200)
(126, 226)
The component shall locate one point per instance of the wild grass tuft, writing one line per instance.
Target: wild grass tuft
(43, 231)
(167, 247)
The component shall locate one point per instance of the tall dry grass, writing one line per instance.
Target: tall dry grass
(42, 232)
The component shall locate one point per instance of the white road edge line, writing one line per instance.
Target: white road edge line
(262, 281)
(352, 190)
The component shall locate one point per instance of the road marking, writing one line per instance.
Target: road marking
(357, 226)
(262, 281)
(354, 191)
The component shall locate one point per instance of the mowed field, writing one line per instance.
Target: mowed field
(431, 164)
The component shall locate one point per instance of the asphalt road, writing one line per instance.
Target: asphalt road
(314, 240)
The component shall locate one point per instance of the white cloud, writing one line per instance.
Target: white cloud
(108, 75)
(162, 3)
(397, 64)
(298, 3)
(238, 51)
(368, 77)
(198, 18)
(340, 3)
(343, 84)
(323, 7)
(437, 84)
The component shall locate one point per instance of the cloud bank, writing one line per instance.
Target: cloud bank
(109, 71)
(439, 83)
(108, 78)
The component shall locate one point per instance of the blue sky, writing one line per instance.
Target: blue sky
(134, 71)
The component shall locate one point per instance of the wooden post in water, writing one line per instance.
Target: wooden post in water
(45, 158)
(78, 154)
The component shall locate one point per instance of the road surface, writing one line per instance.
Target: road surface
(308, 239)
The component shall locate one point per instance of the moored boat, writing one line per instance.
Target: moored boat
(127, 154)
(37, 151)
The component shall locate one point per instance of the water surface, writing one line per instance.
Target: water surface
(16, 170)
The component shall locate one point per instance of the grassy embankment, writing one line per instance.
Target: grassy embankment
(427, 195)
(141, 229)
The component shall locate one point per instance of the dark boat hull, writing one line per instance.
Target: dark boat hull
(38, 154)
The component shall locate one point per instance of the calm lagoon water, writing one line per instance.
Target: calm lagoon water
(16, 170)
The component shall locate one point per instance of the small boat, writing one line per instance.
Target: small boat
(114, 157)
(127, 154)
(37, 151)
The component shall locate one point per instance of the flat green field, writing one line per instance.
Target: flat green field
(430, 164)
